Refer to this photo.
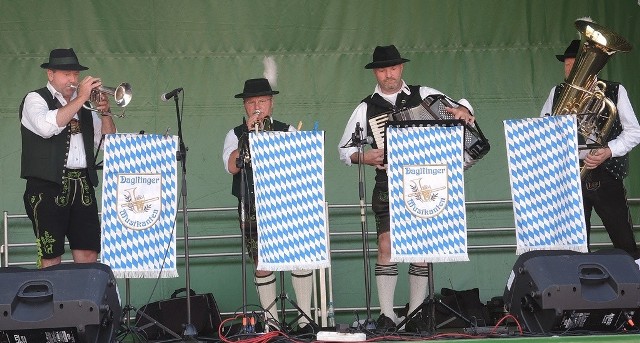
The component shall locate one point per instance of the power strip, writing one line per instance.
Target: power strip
(329, 336)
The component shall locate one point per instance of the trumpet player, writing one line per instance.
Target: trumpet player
(257, 97)
(58, 141)
(602, 188)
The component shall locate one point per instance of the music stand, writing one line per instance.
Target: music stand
(116, 243)
(274, 168)
(429, 303)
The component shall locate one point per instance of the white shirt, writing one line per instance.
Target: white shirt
(359, 115)
(37, 118)
(231, 144)
(630, 135)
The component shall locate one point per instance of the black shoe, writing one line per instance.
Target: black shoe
(385, 324)
(417, 324)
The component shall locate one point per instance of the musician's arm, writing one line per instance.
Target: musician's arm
(359, 115)
(464, 111)
(230, 153)
(372, 157)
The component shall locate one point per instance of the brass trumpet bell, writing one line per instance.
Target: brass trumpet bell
(121, 94)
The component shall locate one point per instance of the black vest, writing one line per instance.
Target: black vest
(242, 133)
(46, 158)
(617, 166)
(376, 104)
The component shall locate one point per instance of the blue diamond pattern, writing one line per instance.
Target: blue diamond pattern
(288, 175)
(140, 253)
(545, 183)
(442, 238)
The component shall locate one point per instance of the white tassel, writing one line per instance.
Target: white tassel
(270, 70)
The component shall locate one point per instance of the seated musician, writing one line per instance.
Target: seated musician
(390, 94)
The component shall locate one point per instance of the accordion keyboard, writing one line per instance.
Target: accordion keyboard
(378, 125)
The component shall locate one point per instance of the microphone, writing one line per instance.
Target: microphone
(358, 142)
(169, 95)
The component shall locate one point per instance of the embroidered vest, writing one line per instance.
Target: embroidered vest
(46, 158)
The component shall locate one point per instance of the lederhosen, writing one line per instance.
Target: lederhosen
(380, 195)
(250, 231)
(60, 202)
(603, 190)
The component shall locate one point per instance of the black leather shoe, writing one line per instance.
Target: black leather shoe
(385, 324)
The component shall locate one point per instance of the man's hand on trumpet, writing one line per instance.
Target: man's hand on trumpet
(86, 86)
(104, 108)
(90, 85)
(254, 119)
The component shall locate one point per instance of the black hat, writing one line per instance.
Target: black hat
(571, 52)
(256, 87)
(63, 59)
(385, 56)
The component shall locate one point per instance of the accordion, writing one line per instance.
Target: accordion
(431, 112)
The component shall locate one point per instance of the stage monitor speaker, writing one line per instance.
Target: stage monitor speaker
(63, 303)
(550, 291)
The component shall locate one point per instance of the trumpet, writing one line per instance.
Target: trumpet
(121, 94)
(265, 125)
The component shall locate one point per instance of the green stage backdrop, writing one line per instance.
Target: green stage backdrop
(499, 54)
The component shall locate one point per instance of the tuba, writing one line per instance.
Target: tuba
(582, 93)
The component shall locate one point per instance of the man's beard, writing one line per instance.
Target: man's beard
(391, 84)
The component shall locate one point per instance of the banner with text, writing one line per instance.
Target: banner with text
(139, 205)
(426, 194)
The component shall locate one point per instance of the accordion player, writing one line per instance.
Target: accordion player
(431, 112)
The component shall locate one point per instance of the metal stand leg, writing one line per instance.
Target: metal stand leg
(132, 329)
(429, 306)
(283, 298)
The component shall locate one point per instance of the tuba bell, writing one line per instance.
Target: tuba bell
(582, 93)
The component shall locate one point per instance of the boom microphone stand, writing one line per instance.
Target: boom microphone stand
(190, 331)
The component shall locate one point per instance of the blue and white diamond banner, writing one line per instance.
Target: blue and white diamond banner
(544, 172)
(139, 205)
(288, 174)
(426, 194)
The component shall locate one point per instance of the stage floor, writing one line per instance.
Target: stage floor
(601, 338)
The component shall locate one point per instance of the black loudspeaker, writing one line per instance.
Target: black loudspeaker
(549, 291)
(63, 303)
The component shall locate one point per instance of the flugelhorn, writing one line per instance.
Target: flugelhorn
(265, 125)
(582, 93)
(121, 94)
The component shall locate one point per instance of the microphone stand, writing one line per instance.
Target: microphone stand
(357, 141)
(190, 330)
(241, 162)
